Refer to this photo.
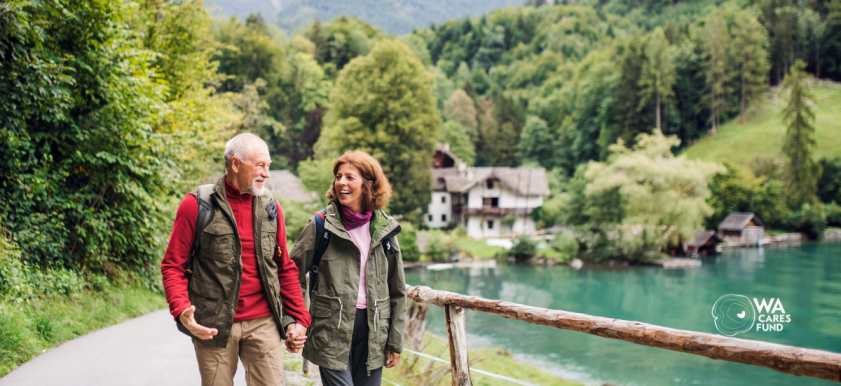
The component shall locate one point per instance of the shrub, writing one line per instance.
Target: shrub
(833, 215)
(567, 245)
(408, 240)
(436, 249)
(523, 250)
(809, 220)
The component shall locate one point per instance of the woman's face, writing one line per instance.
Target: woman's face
(348, 185)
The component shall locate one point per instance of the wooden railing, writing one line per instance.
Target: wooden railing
(785, 359)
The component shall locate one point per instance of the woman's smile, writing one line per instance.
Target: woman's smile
(348, 185)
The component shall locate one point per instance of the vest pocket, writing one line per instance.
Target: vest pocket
(219, 243)
(207, 298)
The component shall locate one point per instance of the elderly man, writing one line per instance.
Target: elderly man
(242, 286)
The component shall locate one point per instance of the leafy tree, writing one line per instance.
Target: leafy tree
(382, 104)
(659, 71)
(537, 143)
(459, 108)
(88, 168)
(829, 185)
(738, 189)
(799, 142)
(749, 49)
(621, 199)
(452, 133)
(497, 145)
(248, 53)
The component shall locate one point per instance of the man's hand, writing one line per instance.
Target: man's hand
(199, 331)
(393, 358)
(296, 336)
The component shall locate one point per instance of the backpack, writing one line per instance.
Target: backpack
(206, 212)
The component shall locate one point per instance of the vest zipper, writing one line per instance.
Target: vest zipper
(341, 308)
(376, 314)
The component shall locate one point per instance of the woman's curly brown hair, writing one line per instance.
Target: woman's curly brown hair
(375, 195)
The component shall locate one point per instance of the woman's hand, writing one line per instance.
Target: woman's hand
(393, 358)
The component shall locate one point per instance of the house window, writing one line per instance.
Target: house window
(440, 181)
(490, 202)
(490, 184)
(443, 199)
(490, 224)
(430, 218)
(444, 217)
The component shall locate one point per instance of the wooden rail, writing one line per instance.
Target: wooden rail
(785, 359)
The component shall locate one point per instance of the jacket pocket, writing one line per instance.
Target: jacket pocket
(326, 313)
(382, 317)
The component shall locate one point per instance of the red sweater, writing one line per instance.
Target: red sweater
(252, 302)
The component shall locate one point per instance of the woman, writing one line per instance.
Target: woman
(358, 304)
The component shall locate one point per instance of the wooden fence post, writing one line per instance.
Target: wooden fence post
(458, 345)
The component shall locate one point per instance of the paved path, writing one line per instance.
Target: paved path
(147, 350)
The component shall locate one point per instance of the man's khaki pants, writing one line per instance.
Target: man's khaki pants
(257, 342)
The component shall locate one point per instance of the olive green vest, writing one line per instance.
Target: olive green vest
(217, 267)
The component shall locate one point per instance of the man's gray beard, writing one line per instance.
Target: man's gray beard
(254, 191)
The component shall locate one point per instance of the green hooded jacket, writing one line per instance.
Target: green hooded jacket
(333, 303)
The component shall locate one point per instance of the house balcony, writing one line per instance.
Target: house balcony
(491, 211)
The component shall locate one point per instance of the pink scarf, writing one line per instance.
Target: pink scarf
(351, 219)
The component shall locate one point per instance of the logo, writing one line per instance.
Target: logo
(736, 314)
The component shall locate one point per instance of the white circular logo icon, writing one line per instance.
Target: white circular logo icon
(733, 314)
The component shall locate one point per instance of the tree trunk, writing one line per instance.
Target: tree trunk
(658, 110)
(742, 108)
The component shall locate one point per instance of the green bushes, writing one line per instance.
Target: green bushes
(566, 245)
(810, 220)
(523, 250)
(408, 240)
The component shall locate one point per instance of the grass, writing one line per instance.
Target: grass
(28, 330)
(417, 371)
(763, 131)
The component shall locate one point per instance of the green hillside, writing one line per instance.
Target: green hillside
(763, 131)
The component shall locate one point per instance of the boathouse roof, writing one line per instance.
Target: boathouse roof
(737, 221)
(701, 238)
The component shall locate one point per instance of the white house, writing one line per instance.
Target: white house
(479, 198)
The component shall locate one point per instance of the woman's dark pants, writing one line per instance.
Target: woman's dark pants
(357, 371)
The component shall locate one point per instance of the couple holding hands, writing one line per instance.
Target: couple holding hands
(232, 286)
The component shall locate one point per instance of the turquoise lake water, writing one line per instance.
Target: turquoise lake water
(805, 278)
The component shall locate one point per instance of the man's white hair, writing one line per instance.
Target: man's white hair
(242, 146)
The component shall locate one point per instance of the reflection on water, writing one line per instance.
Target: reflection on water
(806, 278)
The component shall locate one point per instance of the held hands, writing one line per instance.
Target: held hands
(189, 320)
(393, 359)
(296, 336)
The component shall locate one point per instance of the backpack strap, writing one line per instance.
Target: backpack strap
(322, 239)
(206, 212)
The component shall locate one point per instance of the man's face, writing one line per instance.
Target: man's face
(252, 174)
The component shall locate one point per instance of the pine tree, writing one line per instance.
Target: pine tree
(749, 49)
(382, 104)
(717, 41)
(799, 143)
(659, 71)
(460, 108)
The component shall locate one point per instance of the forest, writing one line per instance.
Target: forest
(113, 110)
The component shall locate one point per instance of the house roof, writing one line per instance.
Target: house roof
(444, 149)
(287, 185)
(737, 221)
(523, 181)
(701, 237)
